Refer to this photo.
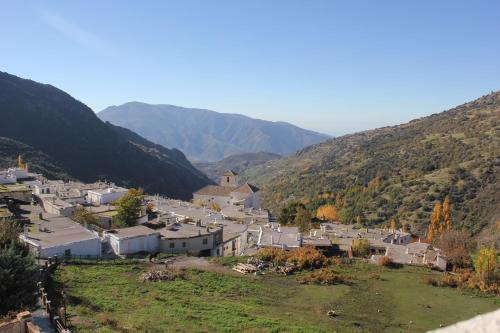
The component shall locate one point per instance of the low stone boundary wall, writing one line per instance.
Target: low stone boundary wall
(57, 316)
(21, 324)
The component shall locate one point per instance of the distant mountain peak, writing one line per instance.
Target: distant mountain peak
(205, 135)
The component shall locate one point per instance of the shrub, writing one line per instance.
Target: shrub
(273, 254)
(431, 281)
(323, 276)
(307, 257)
(303, 257)
(457, 245)
(360, 247)
(385, 261)
(465, 280)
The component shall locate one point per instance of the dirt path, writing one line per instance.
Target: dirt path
(195, 262)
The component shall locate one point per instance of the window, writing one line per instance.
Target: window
(183, 244)
(227, 179)
(205, 241)
(172, 245)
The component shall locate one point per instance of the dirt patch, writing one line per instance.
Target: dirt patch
(194, 263)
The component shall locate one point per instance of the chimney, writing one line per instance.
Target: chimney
(25, 231)
(272, 239)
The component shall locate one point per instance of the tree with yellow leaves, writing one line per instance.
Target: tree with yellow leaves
(446, 225)
(394, 225)
(485, 263)
(215, 207)
(326, 213)
(436, 218)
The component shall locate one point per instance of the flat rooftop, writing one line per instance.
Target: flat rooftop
(285, 236)
(61, 230)
(189, 210)
(109, 190)
(232, 229)
(184, 230)
(14, 188)
(131, 232)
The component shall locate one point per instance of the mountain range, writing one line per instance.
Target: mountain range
(205, 135)
(400, 171)
(62, 137)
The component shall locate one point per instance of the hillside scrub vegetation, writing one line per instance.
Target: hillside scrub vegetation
(399, 172)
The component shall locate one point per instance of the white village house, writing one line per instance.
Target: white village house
(106, 195)
(132, 240)
(63, 237)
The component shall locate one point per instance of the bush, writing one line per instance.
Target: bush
(273, 254)
(431, 281)
(360, 247)
(303, 257)
(465, 280)
(324, 276)
(307, 257)
(385, 261)
(388, 262)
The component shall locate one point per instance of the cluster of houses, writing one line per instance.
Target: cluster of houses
(237, 227)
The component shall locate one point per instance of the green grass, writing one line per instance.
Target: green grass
(108, 298)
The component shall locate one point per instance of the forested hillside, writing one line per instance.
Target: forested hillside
(61, 136)
(401, 171)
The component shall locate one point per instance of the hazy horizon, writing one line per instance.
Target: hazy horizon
(334, 68)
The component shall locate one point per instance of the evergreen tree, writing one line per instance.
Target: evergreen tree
(303, 219)
(17, 271)
(289, 211)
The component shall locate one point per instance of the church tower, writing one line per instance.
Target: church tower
(229, 179)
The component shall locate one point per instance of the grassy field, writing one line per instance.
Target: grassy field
(108, 298)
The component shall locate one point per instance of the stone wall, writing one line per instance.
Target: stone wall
(21, 324)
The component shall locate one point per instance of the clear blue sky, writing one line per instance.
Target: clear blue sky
(331, 66)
